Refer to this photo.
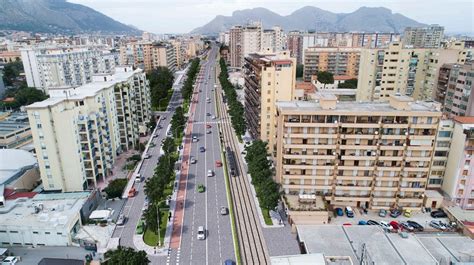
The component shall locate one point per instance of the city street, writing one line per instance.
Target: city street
(203, 209)
(133, 208)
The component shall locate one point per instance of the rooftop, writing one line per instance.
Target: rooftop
(43, 210)
(14, 122)
(384, 248)
(14, 161)
(351, 107)
(84, 91)
(464, 119)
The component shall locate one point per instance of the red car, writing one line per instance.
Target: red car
(208, 126)
(218, 163)
(395, 225)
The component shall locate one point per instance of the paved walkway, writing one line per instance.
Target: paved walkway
(118, 172)
(178, 216)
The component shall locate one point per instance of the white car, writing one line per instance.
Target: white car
(195, 139)
(386, 226)
(10, 260)
(213, 117)
(147, 156)
(210, 173)
(193, 160)
(201, 234)
(438, 225)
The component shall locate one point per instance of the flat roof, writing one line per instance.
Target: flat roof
(15, 121)
(58, 211)
(384, 248)
(306, 259)
(87, 90)
(351, 107)
(14, 161)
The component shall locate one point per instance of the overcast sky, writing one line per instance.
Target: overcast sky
(181, 16)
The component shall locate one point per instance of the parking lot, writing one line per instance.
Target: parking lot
(419, 217)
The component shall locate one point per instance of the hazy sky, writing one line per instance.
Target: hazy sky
(181, 16)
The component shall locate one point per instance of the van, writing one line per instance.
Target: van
(349, 212)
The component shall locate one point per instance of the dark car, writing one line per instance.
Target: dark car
(439, 214)
(407, 226)
(202, 149)
(339, 212)
(372, 222)
(395, 213)
(416, 226)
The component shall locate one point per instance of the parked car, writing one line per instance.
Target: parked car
(372, 222)
(349, 212)
(193, 160)
(395, 225)
(202, 149)
(438, 225)
(416, 226)
(210, 173)
(395, 213)
(438, 214)
(201, 234)
(346, 224)
(407, 213)
(147, 156)
(10, 260)
(362, 222)
(224, 210)
(385, 226)
(339, 212)
(382, 213)
(132, 192)
(407, 226)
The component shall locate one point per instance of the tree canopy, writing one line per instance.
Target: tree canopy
(351, 83)
(161, 81)
(115, 188)
(299, 71)
(126, 256)
(23, 96)
(11, 72)
(325, 77)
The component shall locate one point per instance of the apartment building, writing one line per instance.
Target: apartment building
(272, 40)
(159, 54)
(338, 61)
(441, 153)
(295, 45)
(454, 89)
(78, 132)
(411, 72)
(458, 182)
(251, 40)
(269, 78)
(423, 37)
(235, 45)
(373, 155)
(224, 38)
(48, 67)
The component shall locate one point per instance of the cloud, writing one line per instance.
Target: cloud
(181, 16)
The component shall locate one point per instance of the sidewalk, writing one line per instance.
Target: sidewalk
(117, 171)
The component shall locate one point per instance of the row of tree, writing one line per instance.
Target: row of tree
(11, 72)
(161, 81)
(22, 96)
(259, 167)
(177, 122)
(236, 109)
(187, 89)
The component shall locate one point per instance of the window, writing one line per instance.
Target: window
(13, 232)
(35, 232)
(47, 233)
(435, 181)
(444, 134)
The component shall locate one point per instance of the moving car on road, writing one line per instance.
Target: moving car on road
(121, 220)
(218, 163)
(201, 234)
(202, 149)
(208, 126)
(195, 139)
(224, 210)
(201, 188)
(193, 160)
(209, 132)
(132, 192)
(210, 173)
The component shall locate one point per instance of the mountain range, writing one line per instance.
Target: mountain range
(56, 16)
(364, 19)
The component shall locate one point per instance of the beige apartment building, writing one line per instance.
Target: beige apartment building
(408, 71)
(338, 61)
(374, 155)
(235, 45)
(269, 78)
(78, 132)
(441, 154)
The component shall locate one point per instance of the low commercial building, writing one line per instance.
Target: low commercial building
(458, 182)
(44, 220)
(15, 131)
(372, 155)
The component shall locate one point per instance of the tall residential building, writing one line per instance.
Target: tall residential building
(50, 67)
(338, 61)
(295, 45)
(347, 40)
(441, 153)
(373, 155)
(235, 45)
(423, 37)
(458, 182)
(411, 72)
(455, 89)
(78, 132)
(251, 40)
(269, 78)
(272, 40)
(159, 54)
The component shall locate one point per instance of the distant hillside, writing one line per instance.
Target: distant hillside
(56, 16)
(365, 19)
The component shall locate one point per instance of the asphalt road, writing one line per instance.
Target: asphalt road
(203, 209)
(133, 208)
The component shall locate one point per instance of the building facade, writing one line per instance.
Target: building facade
(235, 46)
(295, 45)
(78, 132)
(423, 37)
(411, 72)
(458, 182)
(372, 155)
(15, 131)
(454, 89)
(338, 61)
(441, 154)
(47, 68)
(269, 78)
